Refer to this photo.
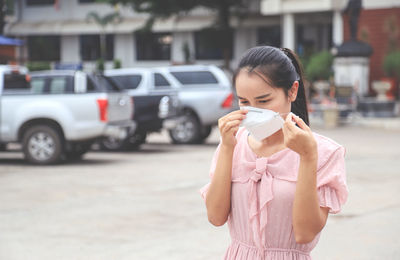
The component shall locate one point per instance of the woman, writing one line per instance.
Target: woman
(275, 193)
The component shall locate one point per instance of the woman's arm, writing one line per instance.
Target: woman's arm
(218, 198)
(308, 217)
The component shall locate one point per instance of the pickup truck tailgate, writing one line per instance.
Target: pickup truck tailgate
(119, 107)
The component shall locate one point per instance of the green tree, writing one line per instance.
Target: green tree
(162, 9)
(103, 21)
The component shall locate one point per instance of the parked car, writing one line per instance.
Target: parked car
(57, 115)
(156, 104)
(205, 93)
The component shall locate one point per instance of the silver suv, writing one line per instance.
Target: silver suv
(205, 93)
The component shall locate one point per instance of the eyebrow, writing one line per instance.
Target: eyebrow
(259, 97)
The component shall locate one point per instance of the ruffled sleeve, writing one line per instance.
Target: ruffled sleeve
(204, 189)
(331, 180)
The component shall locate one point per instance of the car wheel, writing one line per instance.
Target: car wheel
(113, 144)
(3, 147)
(77, 150)
(42, 145)
(186, 132)
(205, 132)
(136, 140)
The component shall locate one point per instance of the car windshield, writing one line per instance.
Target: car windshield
(195, 77)
(107, 84)
(127, 81)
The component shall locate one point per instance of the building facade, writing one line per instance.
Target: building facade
(58, 31)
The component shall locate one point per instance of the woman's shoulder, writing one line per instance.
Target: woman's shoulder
(326, 142)
(327, 148)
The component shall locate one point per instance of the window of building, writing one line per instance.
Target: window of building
(40, 2)
(90, 47)
(127, 81)
(270, 35)
(209, 44)
(160, 81)
(87, 1)
(9, 7)
(311, 38)
(195, 77)
(44, 48)
(153, 46)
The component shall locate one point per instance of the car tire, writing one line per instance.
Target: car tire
(76, 151)
(186, 132)
(3, 147)
(205, 132)
(136, 140)
(113, 144)
(42, 145)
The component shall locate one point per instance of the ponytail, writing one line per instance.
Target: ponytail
(299, 106)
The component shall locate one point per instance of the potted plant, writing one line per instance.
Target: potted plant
(391, 67)
(319, 72)
(391, 61)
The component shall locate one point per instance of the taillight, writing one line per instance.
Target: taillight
(228, 101)
(103, 105)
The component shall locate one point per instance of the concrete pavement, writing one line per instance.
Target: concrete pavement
(145, 205)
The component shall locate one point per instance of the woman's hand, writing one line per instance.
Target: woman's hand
(229, 125)
(299, 139)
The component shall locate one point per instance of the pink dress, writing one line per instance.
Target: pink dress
(262, 194)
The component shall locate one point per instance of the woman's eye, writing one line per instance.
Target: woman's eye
(264, 101)
(243, 102)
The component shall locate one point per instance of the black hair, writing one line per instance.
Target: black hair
(280, 67)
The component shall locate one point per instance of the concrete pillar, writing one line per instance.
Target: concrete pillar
(70, 49)
(244, 38)
(337, 29)
(179, 39)
(288, 31)
(125, 49)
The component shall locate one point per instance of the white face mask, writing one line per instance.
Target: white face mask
(261, 123)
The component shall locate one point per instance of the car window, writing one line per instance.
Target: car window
(90, 87)
(60, 85)
(15, 82)
(194, 77)
(105, 84)
(127, 81)
(38, 85)
(160, 81)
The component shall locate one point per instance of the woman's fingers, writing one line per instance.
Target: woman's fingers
(301, 123)
(231, 124)
(289, 124)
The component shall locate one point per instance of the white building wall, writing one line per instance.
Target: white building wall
(70, 49)
(124, 49)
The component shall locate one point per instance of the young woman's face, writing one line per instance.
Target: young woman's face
(253, 91)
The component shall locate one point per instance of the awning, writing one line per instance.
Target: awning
(126, 26)
(10, 41)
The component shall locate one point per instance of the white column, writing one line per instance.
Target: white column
(337, 28)
(244, 38)
(124, 49)
(70, 52)
(288, 31)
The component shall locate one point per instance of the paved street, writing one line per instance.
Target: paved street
(146, 205)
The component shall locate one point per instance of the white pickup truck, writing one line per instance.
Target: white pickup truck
(57, 115)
